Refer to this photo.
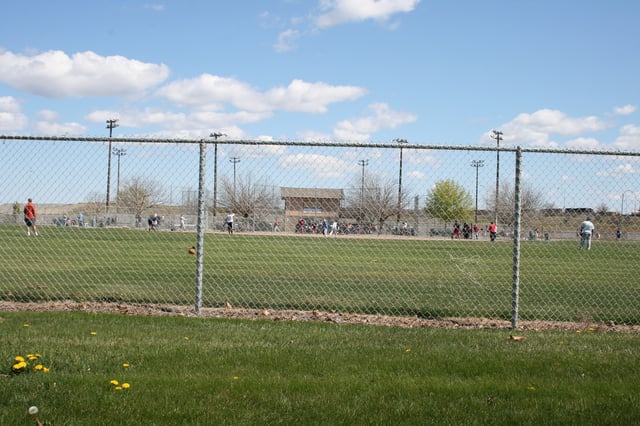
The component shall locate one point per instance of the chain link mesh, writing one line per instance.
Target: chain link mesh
(394, 243)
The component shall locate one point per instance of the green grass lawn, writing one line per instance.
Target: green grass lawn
(428, 278)
(192, 371)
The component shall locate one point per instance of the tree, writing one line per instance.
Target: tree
(246, 198)
(449, 201)
(138, 194)
(375, 201)
(531, 201)
(95, 203)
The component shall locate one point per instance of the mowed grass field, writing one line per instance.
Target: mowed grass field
(395, 276)
(197, 371)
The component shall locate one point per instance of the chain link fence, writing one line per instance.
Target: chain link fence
(392, 229)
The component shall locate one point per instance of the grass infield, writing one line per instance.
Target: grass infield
(400, 276)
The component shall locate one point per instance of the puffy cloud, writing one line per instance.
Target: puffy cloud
(625, 110)
(321, 166)
(54, 74)
(11, 116)
(380, 116)
(337, 12)
(298, 96)
(629, 137)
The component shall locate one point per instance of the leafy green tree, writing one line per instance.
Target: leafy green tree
(449, 201)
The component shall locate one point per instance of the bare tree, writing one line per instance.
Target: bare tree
(246, 198)
(375, 201)
(531, 201)
(95, 203)
(138, 194)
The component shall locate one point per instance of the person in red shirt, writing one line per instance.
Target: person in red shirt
(30, 217)
(493, 230)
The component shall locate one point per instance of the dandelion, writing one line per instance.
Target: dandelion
(93, 333)
(236, 378)
(33, 410)
(38, 367)
(407, 350)
(19, 358)
(118, 388)
(114, 382)
(186, 338)
(531, 388)
(45, 369)
(126, 386)
(25, 325)
(19, 366)
(125, 365)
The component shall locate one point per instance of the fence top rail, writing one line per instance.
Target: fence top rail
(345, 144)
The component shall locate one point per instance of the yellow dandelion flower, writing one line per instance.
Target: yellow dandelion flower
(236, 378)
(407, 350)
(93, 333)
(126, 386)
(186, 338)
(19, 366)
(578, 331)
(531, 388)
(19, 358)
(118, 388)
(25, 325)
(38, 367)
(125, 365)
(45, 370)
(114, 382)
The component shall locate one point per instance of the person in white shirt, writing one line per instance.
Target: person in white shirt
(229, 221)
(586, 231)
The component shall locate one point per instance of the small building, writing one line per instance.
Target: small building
(310, 204)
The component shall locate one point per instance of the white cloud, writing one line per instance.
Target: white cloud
(625, 110)
(11, 116)
(54, 74)
(536, 129)
(157, 7)
(629, 137)
(583, 143)
(380, 116)
(337, 12)
(298, 96)
(64, 129)
(619, 171)
(286, 40)
(320, 166)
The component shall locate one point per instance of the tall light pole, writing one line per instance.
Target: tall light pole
(401, 142)
(215, 136)
(111, 124)
(234, 161)
(118, 152)
(622, 205)
(497, 135)
(363, 163)
(477, 164)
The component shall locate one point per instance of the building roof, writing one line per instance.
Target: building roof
(317, 193)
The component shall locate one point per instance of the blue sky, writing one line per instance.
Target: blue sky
(547, 73)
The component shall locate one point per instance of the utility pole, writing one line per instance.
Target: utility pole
(111, 124)
(215, 136)
(234, 161)
(118, 152)
(477, 164)
(363, 163)
(497, 135)
(401, 142)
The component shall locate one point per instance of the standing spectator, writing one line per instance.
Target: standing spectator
(153, 222)
(493, 231)
(30, 217)
(586, 231)
(476, 230)
(276, 226)
(80, 220)
(334, 228)
(325, 227)
(229, 221)
(618, 234)
(182, 221)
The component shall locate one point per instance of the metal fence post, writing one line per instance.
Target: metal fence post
(515, 291)
(201, 225)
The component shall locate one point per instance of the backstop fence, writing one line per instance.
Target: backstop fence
(391, 229)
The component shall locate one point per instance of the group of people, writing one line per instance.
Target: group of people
(466, 231)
